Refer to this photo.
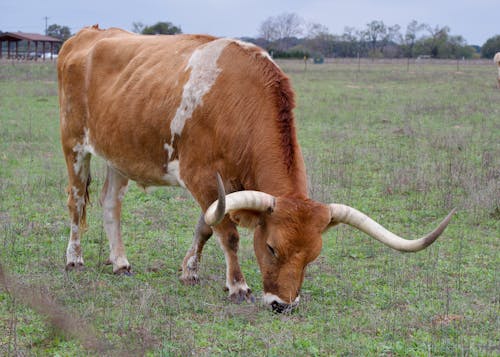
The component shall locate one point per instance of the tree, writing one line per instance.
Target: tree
(490, 47)
(160, 28)
(458, 48)
(350, 42)
(439, 36)
(281, 29)
(319, 40)
(391, 37)
(440, 44)
(138, 27)
(267, 30)
(410, 37)
(60, 32)
(374, 32)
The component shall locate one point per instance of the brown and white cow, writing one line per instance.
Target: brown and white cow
(176, 110)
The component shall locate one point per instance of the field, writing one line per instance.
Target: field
(403, 145)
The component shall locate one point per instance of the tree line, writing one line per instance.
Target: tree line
(288, 35)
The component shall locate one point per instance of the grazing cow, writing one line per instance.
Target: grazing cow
(496, 59)
(177, 110)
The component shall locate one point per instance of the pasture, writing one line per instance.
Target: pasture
(403, 146)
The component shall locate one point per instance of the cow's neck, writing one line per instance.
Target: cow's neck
(277, 179)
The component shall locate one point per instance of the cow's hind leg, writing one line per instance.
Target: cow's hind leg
(112, 195)
(78, 164)
(190, 264)
(235, 281)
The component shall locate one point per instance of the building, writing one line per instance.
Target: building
(33, 46)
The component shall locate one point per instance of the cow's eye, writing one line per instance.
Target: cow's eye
(272, 251)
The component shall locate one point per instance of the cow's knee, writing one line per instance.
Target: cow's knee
(191, 262)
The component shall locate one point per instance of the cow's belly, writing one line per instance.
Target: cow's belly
(141, 159)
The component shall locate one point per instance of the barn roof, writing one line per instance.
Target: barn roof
(19, 36)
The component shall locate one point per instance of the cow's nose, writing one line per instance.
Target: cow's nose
(279, 307)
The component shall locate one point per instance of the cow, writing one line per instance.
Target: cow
(214, 116)
(496, 59)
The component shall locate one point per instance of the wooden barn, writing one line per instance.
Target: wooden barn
(21, 45)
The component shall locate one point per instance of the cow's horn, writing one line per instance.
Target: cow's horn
(248, 200)
(351, 216)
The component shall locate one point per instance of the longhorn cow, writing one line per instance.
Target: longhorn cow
(176, 110)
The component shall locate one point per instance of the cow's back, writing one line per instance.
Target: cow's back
(119, 91)
(157, 106)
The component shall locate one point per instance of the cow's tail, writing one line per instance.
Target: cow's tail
(83, 219)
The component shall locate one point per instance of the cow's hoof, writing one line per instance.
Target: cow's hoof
(242, 295)
(74, 266)
(190, 280)
(126, 270)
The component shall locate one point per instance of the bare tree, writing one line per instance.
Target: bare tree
(315, 29)
(351, 40)
(375, 31)
(319, 39)
(267, 30)
(138, 27)
(281, 29)
(392, 35)
(410, 37)
(289, 25)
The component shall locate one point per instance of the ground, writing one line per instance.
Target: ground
(404, 145)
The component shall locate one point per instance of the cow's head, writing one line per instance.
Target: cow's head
(287, 236)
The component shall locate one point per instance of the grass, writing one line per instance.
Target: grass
(403, 146)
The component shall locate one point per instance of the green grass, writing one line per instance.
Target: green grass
(403, 146)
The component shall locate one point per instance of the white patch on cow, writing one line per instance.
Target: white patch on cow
(169, 149)
(266, 54)
(249, 45)
(244, 44)
(237, 286)
(173, 175)
(73, 252)
(119, 262)
(82, 151)
(204, 73)
(192, 263)
(269, 298)
(74, 228)
(79, 200)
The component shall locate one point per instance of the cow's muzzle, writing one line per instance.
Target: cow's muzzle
(278, 305)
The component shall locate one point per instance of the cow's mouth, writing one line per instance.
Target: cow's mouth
(278, 305)
(280, 308)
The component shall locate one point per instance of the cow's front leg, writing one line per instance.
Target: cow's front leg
(235, 281)
(191, 262)
(112, 195)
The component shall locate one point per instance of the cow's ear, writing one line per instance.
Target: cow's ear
(246, 218)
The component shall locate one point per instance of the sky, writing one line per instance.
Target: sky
(475, 20)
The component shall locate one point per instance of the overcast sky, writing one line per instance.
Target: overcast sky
(475, 20)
